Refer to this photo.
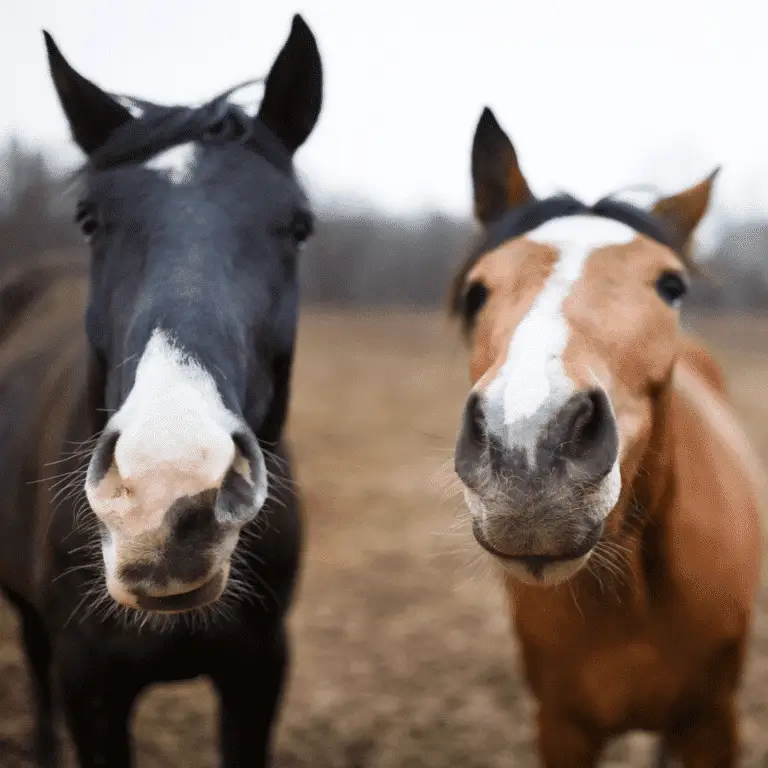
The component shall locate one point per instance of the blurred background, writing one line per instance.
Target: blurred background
(402, 650)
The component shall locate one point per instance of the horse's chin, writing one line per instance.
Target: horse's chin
(184, 602)
(197, 598)
(540, 570)
(550, 575)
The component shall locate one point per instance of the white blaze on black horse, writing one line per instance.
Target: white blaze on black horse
(169, 465)
(195, 220)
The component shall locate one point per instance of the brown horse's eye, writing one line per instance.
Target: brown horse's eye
(671, 286)
(474, 299)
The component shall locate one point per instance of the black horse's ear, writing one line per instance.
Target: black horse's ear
(499, 184)
(92, 114)
(293, 93)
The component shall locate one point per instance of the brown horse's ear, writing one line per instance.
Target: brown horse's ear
(685, 210)
(498, 182)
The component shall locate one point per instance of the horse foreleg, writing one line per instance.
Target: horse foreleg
(663, 758)
(37, 647)
(706, 738)
(250, 688)
(564, 743)
(97, 700)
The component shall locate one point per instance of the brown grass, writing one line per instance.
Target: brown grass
(403, 656)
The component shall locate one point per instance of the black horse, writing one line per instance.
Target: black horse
(154, 380)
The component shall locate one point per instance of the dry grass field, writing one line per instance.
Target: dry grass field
(402, 655)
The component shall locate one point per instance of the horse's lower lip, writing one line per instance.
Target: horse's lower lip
(186, 601)
(536, 562)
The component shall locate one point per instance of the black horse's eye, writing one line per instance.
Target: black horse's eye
(227, 128)
(474, 299)
(301, 227)
(85, 218)
(671, 286)
(298, 230)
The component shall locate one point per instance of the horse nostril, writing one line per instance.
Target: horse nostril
(587, 433)
(473, 438)
(103, 456)
(247, 445)
(249, 462)
(474, 420)
(584, 421)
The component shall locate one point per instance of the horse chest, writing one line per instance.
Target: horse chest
(627, 687)
(620, 683)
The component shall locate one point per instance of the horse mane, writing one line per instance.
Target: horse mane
(155, 129)
(530, 215)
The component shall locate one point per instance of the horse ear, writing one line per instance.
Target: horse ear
(498, 182)
(685, 210)
(92, 114)
(293, 93)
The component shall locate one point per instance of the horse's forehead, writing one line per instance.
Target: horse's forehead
(177, 164)
(576, 237)
(559, 248)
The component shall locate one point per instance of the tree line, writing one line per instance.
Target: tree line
(359, 258)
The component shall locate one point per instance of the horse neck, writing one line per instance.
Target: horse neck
(643, 510)
(654, 483)
(650, 502)
(651, 496)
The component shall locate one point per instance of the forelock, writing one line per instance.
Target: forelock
(155, 129)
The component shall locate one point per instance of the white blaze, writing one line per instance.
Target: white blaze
(532, 384)
(173, 416)
(178, 163)
(175, 439)
(133, 108)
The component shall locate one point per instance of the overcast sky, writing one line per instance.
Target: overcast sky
(596, 94)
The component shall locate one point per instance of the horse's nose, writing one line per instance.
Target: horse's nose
(194, 455)
(582, 437)
(472, 441)
(136, 476)
(103, 455)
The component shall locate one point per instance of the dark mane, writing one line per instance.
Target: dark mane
(528, 217)
(159, 128)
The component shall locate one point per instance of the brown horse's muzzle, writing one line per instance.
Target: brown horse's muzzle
(539, 503)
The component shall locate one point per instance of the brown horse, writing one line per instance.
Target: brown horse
(604, 469)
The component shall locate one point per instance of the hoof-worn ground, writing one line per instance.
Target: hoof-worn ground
(402, 652)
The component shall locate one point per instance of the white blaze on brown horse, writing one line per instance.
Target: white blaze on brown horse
(604, 468)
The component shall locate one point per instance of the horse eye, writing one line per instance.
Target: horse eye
(298, 230)
(85, 218)
(228, 128)
(301, 228)
(474, 300)
(671, 286)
